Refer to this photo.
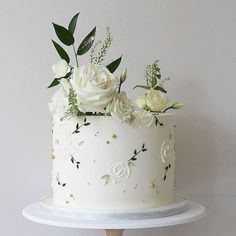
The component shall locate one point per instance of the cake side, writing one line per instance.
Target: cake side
(100, 163)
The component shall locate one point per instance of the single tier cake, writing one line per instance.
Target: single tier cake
(99, 163)
(109, 153)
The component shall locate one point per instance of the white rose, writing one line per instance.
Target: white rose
(95, 86)
(61, 69)
(167, 151)
(121, 107)
(59, 103)
(119, 171)
(156, 100)
(141, 101)
(143, 118)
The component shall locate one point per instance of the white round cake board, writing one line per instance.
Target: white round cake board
(42, 213)
(177, 207)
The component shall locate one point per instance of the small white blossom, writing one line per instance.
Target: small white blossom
(141, 101)
(61, 69)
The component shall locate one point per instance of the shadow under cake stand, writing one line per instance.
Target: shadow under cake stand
(114, 222)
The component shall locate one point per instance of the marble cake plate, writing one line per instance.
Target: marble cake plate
(179, 206)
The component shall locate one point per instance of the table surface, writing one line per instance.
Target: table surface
(35, 212)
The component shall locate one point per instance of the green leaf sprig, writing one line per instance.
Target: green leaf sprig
(77, 128)
(152, 74)
(73, 109)
(136, 153)
(166, 170)
(74, 161)
(98, 57)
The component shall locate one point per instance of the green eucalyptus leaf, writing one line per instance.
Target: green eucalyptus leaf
(64, 34)
(87, 43)
(62, 53)
(160, 89)
(73, 23)
(142, 86)
(54, 83)
(114, 65)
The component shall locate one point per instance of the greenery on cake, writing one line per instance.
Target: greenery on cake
(119, 171)
(94, 89)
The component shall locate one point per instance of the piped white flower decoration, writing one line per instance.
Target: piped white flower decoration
(118, 171)
(167, 151)
(143, 118)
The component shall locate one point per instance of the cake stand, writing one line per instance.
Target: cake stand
(44, 212)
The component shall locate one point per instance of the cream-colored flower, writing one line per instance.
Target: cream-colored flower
(143, 118)
(95, 86)
(118, 171)
(59, 103)
(121, 108)
(61, 69)
(141, 101)
(156, 100)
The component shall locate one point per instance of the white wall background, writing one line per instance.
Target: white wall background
(195, 41)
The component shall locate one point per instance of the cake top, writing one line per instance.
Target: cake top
(94, 89)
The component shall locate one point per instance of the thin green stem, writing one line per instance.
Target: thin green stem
(168, 108)
(77, 63)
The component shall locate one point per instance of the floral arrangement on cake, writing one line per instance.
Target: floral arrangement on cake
(94, 89)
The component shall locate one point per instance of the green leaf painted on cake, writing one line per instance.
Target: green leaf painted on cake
(87, 43)
(63, 34)
(62, 53)
(106, 178)
(166, 171)
(72, 24)
(86, 124)
(54, 83)
(114, 65)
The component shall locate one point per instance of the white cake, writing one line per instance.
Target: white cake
(109, 152)
(111, 165)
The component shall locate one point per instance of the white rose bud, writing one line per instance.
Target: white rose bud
(141, 101)
(177, 105)
(61, 69)
(123, 76)
(121, 108)
(95, 86)
(156, 100)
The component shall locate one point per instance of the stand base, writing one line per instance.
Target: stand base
(114, 232)
(37, 213)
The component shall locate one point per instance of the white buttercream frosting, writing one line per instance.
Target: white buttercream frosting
(59, 103)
